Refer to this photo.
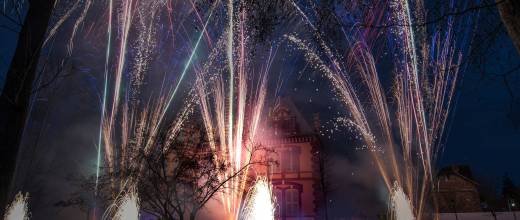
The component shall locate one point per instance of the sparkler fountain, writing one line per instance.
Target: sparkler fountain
(129, 124)
(234, 122)
(400, 203)
(235, 137)
(425, 76)
(126, 207)
(18, 210)
(260, 203)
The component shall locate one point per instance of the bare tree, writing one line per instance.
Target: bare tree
(178, 182)
(175, 181)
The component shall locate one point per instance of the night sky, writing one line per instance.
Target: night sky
(483, 131)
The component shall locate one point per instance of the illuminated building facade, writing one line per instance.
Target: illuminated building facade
(295, 173)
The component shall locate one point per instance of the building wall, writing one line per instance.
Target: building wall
(303, 178)
(293, 142)
(457, 194)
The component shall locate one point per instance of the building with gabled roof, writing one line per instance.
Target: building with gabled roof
(456, 190)
(294, 174)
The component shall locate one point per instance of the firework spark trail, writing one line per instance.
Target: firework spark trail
(60, 22)
(362, 61)
(231, 81)
(234, 145)
(359, 57)
(78, 22)
(259, 202)
(105, 93)
(201, 92)
(233, 194)
(136, 127)
(124, 123)
(146, 44)
(411, 74)
(18, 209)
(419, 127)
(201, 21)
(128, 126)
(126, 18)
(183, 74)
(125, 207)
(427, 132)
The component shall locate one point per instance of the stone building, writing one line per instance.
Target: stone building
(457, 191)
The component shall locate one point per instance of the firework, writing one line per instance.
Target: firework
(130, 124)
(18, 210)
(231, 92)
(231, 107)
(133, 114)
(260, 204)
(423, 89)
(231, 104)
(235, 142)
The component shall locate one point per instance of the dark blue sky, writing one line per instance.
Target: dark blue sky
(8, 40)
(483, 132)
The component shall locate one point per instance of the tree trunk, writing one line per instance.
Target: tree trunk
(193, 215)
(14, 100)
(510, 15)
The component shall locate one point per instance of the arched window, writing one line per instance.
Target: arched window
(288, 200)
(292, 202)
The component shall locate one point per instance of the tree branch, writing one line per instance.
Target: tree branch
(438, 19)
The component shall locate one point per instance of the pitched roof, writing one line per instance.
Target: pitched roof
(463, 171)
(303, 124)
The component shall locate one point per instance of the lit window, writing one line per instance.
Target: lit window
(292, 202)
(290, 159)
(293, 161)
(287, 160)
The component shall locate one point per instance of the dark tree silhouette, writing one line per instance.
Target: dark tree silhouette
(174, 181)
(510, 14)
(511, 193)
(178, 183)
(14, 100)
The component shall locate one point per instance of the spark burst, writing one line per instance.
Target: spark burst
(401, 207)
(18, 209)
(424, 85)
(232, 107)
(235, 141)
(126, 207)
(260, 203)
